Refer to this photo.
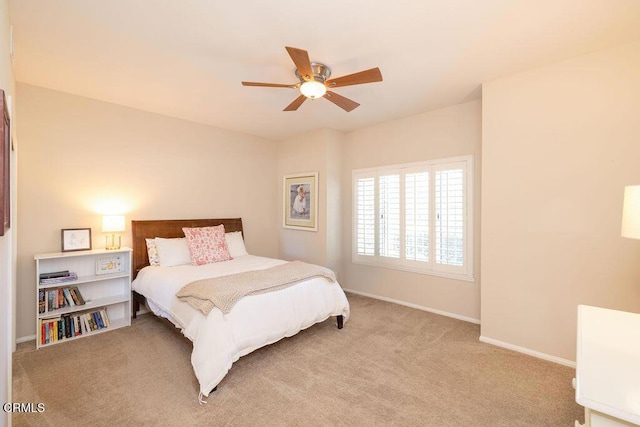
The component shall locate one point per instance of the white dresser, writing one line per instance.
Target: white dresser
(608, 366)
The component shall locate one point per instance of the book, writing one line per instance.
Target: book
(60, 298)
(72, 292)
(50, 301)
(98, 319)
(54, 274)
(68, 298)
(56, 299)
(42, 305)
(85, 323)
(71, 277)
(57, 329)
(80, 298)
(77, 325)
(105, 317)
(91, 322)
(68, 333)
(77, 296)
(53, 331)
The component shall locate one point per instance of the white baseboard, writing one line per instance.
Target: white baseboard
(419, 307)
(25, 339)
(491, 341)
(529, 352)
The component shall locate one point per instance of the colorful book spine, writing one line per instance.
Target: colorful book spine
(42, 304)
(53, 299)
(97, 319)
(73, 325)
(76, 295)
(60, 298)
(68, 298)
(105, 317)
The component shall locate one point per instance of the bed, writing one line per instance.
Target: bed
(255, 321)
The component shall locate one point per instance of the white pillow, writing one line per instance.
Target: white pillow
(235, 243)
(172, 251)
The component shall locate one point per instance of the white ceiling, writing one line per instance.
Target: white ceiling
(186, 58)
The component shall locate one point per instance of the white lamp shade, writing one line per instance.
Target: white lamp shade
(313, 89)
(112, 223)
(631, 212)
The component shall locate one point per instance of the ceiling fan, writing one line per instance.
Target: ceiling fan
(314, 81)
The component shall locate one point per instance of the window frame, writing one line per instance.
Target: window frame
(464, 273)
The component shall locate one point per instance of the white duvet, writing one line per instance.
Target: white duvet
(255, 321)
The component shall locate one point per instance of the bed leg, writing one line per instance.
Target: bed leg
(340, 320)
(136, 300)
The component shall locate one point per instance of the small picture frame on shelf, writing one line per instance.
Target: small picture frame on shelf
(76, 239)
(108, 265)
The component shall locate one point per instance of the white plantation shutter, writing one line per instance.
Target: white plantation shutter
(450, 213)
(416, 228)
(415, 217)
(365, 216)
(389, 214)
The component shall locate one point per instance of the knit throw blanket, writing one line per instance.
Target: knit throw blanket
(224, 292)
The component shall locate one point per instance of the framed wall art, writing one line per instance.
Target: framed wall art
(300, 196)
(76, 239)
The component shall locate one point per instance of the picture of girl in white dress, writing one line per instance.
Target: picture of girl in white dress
(300, 202)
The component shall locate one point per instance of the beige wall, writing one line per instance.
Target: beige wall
(319, 151)
(7, 242)
(81, 158)
(448, 132)
(559, 145)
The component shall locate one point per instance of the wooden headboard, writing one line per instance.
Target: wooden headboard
(169, 228)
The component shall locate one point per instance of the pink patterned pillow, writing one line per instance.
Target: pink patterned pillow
(207, 244)
(152, 252)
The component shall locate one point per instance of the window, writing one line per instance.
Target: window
(416, 217)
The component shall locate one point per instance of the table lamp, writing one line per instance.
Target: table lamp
(631, 212)
(112, 224)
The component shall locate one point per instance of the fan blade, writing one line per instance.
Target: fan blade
(367, 76)
(345, 103)
(303, 64)
(267, 84)
(296, 103)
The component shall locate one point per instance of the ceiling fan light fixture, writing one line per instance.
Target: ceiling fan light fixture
(313, 89)
(313, 81)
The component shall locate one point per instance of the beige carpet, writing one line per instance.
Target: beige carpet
(390, 365)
